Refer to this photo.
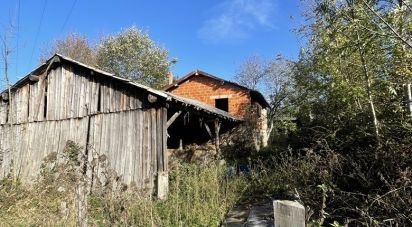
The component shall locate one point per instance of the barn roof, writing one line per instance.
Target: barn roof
(113, 76)
(256, 95)
(172, 98)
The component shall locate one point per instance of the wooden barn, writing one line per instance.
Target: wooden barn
(66, 100)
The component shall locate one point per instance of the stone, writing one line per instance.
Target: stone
(288, 213)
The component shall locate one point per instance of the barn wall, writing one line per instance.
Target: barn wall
(68, 92)
(74, 104)
(25, 145)
(133, 142)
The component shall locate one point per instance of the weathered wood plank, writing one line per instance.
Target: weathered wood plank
(164, 136)
(4, 106)
(57, 94)
(132, 144)
(42, 87)
(146, 146)
(139, 140)
(159, 139)
(50, 95)
(62, 93)
(153, 152)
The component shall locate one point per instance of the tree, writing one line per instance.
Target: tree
(5, 55)
(133, 55)
(251, 72)
(351, 78)
(6, 52)
(358, 64)
(73, 45)
(272, 77)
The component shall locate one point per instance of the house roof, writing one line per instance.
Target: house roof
(198, 106)
(256, 95)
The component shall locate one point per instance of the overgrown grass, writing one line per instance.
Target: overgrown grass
(199, 196)
(37, 205)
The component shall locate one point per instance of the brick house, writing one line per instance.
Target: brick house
(217, 92)
(225, 95)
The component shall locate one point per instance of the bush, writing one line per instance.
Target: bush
(358, 184)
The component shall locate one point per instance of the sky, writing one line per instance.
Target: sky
(216, 36)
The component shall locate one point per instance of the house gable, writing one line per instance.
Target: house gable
(209, 90)
(216, 92)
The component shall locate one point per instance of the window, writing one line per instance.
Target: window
(222, 104)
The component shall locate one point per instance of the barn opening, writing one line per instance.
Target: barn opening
(193, 122)
(222, 103)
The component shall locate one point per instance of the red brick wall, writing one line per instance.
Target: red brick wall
(203, 89)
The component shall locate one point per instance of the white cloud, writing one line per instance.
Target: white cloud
(235, 20)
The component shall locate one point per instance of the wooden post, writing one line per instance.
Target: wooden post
(180, 145)
(81, 203)
(162, 185)
(217, 141)
(81, 189)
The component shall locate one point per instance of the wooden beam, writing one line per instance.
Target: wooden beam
(34, 78)
(208, 130)
(151, 98)
(173, 118)
(217, 141)
(55, 59)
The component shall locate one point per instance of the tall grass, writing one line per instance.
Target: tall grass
(199, 196)
(37, 205)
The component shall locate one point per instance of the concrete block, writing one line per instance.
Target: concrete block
(288, 213)
(162, 185)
